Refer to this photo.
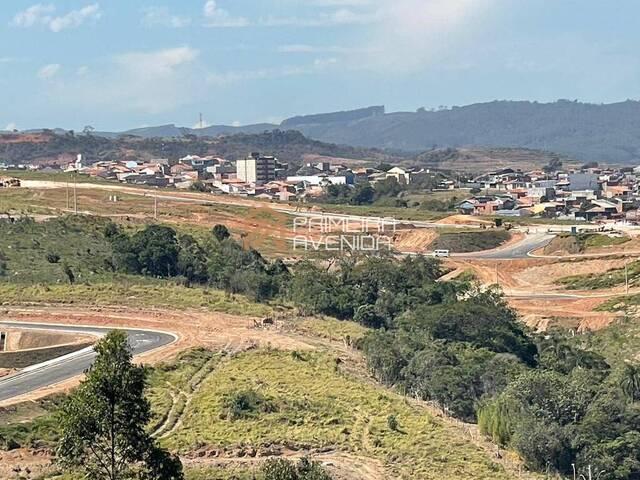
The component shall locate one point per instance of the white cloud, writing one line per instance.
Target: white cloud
(44, 14)
(304, 48)
(397, 35)
(75, 18)
(342, 16)
(39, 14)
(141, 82)
(161, 63)
(340, 3)
(82, 71)
(49, 71)
(11, 127)
(162, 17)
(218, 17)
(319, 65)
(236, 124)
(414, 34)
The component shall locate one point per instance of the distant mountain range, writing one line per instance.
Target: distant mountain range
(604, 133)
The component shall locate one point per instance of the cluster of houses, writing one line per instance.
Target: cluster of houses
(587, 194)
(584, 194)
(258, 175)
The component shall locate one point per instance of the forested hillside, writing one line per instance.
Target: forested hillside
(48, 148)
(587, 132)
(606, 133)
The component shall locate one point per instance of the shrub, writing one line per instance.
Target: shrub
(53, 257)
(282, 469)
(246, 403)
(392, 423)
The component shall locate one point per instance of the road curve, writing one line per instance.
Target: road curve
(515, 251)
(66, 367)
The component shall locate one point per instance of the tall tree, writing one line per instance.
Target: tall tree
(630, 381)
(103, 422)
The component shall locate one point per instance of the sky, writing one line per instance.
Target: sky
(122, 64)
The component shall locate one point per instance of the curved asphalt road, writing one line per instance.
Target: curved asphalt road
(68, 366)
(520, 249)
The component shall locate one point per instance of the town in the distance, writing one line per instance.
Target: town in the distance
(580, 193)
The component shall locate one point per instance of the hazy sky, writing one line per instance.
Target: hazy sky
(121, 64)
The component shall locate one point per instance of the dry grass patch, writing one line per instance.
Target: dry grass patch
(313, 405)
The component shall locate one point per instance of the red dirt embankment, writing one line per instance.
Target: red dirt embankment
(536, 278)
(29, 339)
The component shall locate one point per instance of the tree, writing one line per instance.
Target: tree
(198, 186)
(630, 381)
(543, 445)
(3, 264)
(103, 421)
(363, 194)
(192, 260)
(367, 316)
(71, 277)
(220, 232)
(156, 248)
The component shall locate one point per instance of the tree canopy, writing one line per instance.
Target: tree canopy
(103, 421)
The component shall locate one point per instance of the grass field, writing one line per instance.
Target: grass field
(618, 343)
(331, 328)
(394, 212)
(55, 177)
(134, 292)
(464, 241)
(580, 243)
(54, 200)
(304, 400)
(608, 279)
(595, 240)
(30, 424)
(261, 228)
(34, 255)
(36, 252)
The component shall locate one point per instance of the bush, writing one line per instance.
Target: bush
(392, 423)
(53, 257)
(220, 232)
(246, 403)
(282, 469)
(543, 446)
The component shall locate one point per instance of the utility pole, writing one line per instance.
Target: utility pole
(201, 123)
(155, 206)
(68, 206)
(626, 277)
(75, 196)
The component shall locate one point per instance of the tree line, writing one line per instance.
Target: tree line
(560, 407)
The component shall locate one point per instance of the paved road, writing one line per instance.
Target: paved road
(63, 368)
(520, 249)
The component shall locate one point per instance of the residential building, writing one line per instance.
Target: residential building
(486, 205)
(256, 168)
